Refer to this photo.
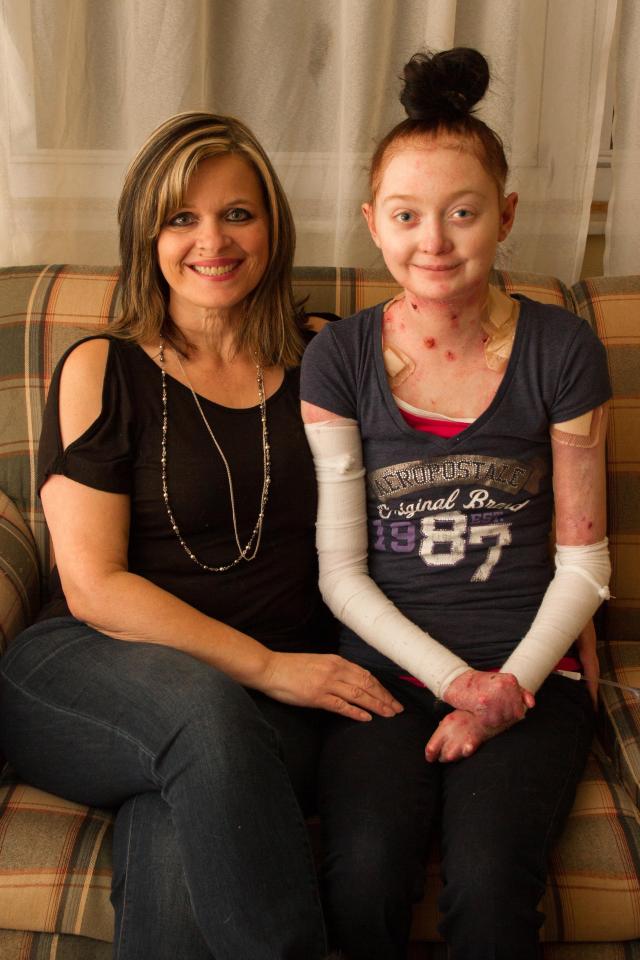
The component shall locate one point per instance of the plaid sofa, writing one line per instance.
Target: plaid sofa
(55, 855)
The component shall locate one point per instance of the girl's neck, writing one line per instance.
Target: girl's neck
(447, 323)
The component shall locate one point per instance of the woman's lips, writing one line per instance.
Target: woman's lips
(219, 270)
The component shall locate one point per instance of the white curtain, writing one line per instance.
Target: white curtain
(85, 81)
(622, 249)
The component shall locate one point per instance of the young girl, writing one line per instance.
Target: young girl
(474, 416)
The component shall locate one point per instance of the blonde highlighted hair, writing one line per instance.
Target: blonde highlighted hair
(154, 188)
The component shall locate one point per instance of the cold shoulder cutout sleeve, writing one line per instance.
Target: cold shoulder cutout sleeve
(102, 456)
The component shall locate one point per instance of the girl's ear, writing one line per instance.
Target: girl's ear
(507, 215)
(369, 214)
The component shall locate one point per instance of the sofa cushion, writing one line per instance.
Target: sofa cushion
(593, 892)
(44, 310)
(345, 290)
(19, 579)
(612, 306)
(47, 308)
(620, 712)
(55, 863)
(18, 945)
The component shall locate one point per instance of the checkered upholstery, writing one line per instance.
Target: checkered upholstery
(612, 305)
(55, 855)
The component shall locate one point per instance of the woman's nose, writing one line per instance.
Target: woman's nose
(211, 236)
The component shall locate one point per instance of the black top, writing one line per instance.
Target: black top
(274, 598)
(459, 527)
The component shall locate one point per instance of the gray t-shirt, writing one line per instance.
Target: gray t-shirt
(459, 528)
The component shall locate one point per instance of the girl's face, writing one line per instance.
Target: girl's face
(214, 250)
(438, 218)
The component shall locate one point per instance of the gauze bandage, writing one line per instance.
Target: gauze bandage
(583, 431)
(499, 322)
(578, 588)
(345, 584)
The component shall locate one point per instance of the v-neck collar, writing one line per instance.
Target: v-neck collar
(443, 443)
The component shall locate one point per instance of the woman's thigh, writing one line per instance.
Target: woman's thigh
(90, 717)
(299, 732)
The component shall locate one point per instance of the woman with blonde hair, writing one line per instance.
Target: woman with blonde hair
(172, 671)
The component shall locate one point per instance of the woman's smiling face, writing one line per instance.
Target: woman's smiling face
(438, 217)
(214, 249)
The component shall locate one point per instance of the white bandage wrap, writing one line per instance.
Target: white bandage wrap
(578, 588)
(342, 542)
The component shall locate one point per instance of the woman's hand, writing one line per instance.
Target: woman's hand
(459, 735)
(586, 647)
(327, 682)
(495, 698)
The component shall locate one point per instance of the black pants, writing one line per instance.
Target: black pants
(498, 811)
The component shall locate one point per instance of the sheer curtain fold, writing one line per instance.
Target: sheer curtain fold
(622, 249)
(85, 82)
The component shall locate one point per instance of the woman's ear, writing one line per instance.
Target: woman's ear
(507, 215)
(368, 213)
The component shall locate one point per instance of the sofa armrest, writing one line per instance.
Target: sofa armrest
(619, 712)
(19, 573)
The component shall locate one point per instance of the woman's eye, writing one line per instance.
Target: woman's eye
(180, 219)
(238, 215)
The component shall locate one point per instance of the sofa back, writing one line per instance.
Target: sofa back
(44, 309)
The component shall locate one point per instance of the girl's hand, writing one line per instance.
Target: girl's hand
(495, 698)
(328, 682)
(459, 735)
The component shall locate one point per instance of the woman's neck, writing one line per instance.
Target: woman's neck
(210, 334)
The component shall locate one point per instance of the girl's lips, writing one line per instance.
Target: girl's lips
(437, 268)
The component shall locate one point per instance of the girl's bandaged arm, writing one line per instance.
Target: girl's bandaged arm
(358, 602)
(582, 561)
(342, 542)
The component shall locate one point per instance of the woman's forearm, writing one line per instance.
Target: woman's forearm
(128, 607)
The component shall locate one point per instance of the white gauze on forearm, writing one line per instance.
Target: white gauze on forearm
(342, 542)
(578, 588)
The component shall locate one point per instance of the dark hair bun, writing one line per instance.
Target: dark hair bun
(444, 86)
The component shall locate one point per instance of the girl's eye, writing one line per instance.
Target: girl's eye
(463, 214)
(238, 215)
(180, 219)
(404, 216)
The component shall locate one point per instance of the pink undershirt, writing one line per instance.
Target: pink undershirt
(441, 428)
(451, 428)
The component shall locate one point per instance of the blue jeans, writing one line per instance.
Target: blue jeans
(498, 813)
(185, 752)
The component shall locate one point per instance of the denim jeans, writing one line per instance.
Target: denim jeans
(209, 819)
(498, 813)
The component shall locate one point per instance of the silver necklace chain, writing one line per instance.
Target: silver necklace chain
(249, 551)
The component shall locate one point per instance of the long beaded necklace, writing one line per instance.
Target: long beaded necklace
(253, 542)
